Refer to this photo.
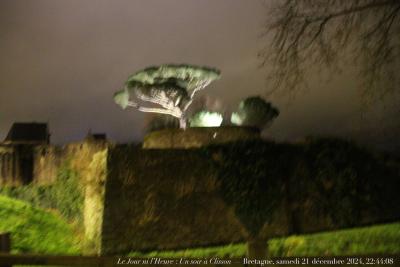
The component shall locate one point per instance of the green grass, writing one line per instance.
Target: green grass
(379, 239)
(64, 195)
(34, 230)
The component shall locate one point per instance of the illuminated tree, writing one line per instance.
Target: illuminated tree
(166, 89)
(255, 112)
(206, 119)
(303, 33)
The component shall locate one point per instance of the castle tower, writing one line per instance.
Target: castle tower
(17, 152)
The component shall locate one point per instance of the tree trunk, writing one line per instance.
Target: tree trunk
(257, 248)
(182, 122)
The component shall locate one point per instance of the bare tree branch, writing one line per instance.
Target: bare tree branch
(303, 34)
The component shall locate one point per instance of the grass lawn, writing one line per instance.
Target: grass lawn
(378, 239)
(34, 230)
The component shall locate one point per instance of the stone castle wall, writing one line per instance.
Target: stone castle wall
(47, 160)
(40, 164)
(198, 137)
(26, 164)
(163, 199)
(17, 163)
(145, 199)
(157, 199)
(9, 171)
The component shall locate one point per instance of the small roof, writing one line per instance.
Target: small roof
(96, 136)
(28, 133)
(99, 136)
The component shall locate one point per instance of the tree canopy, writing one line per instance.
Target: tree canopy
(255, 112)
(166, 89)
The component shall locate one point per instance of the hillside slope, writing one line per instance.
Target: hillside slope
(34, 230)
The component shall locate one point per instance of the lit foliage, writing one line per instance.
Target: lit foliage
(165, 89)
(206, 119)
(255, 112)
(64, 195)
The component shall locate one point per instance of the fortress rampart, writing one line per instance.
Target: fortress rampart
(195, 193)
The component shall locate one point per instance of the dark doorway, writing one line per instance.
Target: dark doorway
(26, 163)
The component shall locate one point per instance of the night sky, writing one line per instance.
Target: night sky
(61, 62)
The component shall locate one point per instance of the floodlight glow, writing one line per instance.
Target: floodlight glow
(206, 119)
(236, 119)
